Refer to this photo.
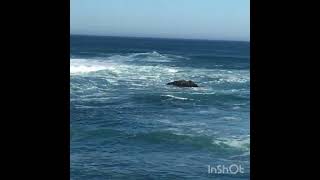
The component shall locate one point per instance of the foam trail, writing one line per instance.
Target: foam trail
(175, 97)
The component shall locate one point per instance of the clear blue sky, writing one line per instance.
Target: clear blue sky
(195, 19)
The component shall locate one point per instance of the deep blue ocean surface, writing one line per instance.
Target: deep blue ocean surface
(126, 123)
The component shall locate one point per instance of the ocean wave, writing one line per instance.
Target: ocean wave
(153, 56)
(175, 97)
(239, 143)
(98, 74)
(212, 56)
(155, 72)
(83, 66)
(219, 76)
(102, 63)
(206, 142)
(78, 66)
(85, 69)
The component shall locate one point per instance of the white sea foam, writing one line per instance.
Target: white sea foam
(85, 69)
(240, 143)
(142, 57)
(154, 57)
(120, 63)
(175, 97)
(230, 118)
(245, 154)
(171, 70)
(120, 70)
(85, 66)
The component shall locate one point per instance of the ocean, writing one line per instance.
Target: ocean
(126, 123)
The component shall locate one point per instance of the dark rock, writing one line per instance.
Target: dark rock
(183, 83)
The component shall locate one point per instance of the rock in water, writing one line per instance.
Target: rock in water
(183, 83)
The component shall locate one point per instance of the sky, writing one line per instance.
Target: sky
(187, 19)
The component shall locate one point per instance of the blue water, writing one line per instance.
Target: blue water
(126, 123)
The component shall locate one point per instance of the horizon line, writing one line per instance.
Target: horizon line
(168, 38)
